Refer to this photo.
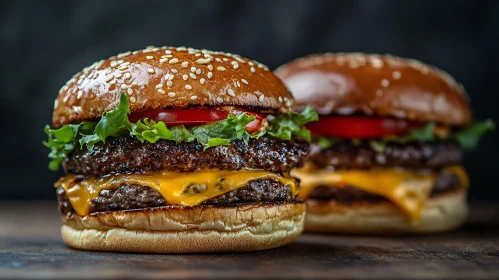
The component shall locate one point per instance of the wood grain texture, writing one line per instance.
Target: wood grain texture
(31, 246)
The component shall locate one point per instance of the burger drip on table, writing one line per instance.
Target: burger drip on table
(387, 149)
(178, 150)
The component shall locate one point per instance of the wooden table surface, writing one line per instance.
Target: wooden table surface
(31, 246)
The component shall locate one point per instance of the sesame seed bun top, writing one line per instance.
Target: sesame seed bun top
(376, 85)
(170, 77)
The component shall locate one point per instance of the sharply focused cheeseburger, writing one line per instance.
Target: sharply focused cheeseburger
(177, 150)
(388, 145)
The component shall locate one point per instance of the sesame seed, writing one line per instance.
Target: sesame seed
(80, 93)
(246, 82)
(188, 87)
(396, 75)
(185, 64)
(171, 94)
(280, 99)
(159, 85)
(261, 98)
(210, 74)
(74, 90)
(193, 69)
(167, 76)
(385, 83)
(109, 78)
(173, 61)
(122, 68)
(163, 60)
(174, 70)
(65, 99)
(133, 99)
(202, 80)
(123, 86)
(250, 63)
(221, 68)
(198, 54)
(235, 65)
(118, 75)
(252, 69)
(218, 59)
(192, 75)
(128, 76)
(198, 71)
(231, 92)
(125, 63)
(185, 77)
(289, 103)
(376, 62)
(161, 91)
(219, 100)
(169, 83)
(168, 51)
(210, 67)
(194, 97)
(113, 64)
(150, 70)
(149, 57)
(179, 49)
(130, 91)
(225, 59)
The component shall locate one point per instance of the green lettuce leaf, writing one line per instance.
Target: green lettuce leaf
(285, 126)
(114, 122)
(469, 137)
(325, 142)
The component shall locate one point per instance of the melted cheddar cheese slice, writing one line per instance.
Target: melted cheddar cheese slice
(186, 189)
(408, 190)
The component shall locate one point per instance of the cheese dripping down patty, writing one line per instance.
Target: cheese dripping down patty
(408, 190)
(178, 188)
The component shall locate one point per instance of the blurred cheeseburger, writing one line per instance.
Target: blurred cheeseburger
(388, 146)
(177, 150)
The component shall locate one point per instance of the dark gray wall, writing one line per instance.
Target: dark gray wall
(43, 43)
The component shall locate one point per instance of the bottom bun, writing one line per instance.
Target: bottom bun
(187, 229)
(445, 212)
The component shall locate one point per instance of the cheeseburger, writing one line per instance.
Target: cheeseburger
(177, 150)
(388, 146)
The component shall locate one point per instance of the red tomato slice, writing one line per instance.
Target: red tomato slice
(360, 127)
(194, 116)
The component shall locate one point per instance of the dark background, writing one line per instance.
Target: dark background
(43, 43)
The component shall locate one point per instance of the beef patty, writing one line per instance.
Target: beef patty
(410, 155)
(445, 182)
(131, 196)
(129, 155)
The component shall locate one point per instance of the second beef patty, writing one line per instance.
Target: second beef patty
(131, 196)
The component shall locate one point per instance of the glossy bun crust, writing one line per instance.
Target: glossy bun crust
(377, 85)
(170, 77)
(184, 230)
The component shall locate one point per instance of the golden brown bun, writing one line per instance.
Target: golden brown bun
(184, 230)
(381, 85)
(170, 77)
(443, 213)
